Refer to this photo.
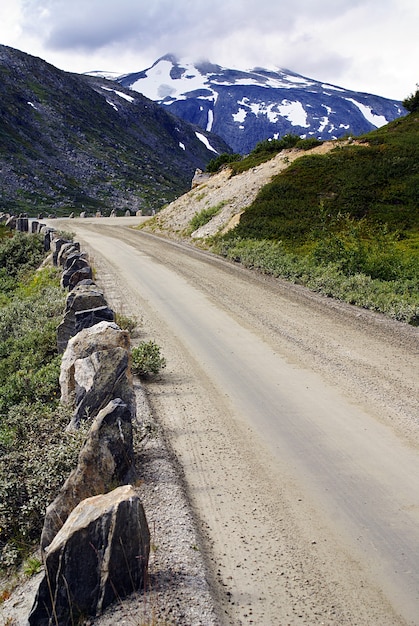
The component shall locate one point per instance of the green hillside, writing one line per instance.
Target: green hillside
(345, 223)
(376, 179)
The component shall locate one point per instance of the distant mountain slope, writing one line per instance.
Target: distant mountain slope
(245, 107)
(71, 142)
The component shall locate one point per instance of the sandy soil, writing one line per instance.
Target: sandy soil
(294, 420)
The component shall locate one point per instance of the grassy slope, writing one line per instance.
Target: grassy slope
(378, 179)
(345, 223)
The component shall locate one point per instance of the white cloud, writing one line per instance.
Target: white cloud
(363, 45)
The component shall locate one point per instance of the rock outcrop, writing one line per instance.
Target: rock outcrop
(100, 555)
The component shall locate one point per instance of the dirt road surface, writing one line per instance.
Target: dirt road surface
(296, 422)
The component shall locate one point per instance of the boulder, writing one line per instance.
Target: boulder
(77, 263)
(102, 336)
(56, 244)
(99, 378)
(84, 273)
(11, 222)
(106, 460)
(99, 556)
(72, 257)
(22, 224)
(67, 249)
(84, 296)
(91, 317)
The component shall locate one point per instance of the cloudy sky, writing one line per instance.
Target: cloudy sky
(365, 45)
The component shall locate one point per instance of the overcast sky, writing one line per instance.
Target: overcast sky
(364, 45)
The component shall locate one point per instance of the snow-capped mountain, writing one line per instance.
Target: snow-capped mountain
(245, 107)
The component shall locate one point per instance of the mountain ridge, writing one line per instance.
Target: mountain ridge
(247, 106)
(75, 142)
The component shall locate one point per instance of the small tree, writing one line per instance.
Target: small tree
(411, 103)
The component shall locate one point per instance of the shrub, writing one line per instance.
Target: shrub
(36, 454)
(398, 299)
(411, 103)
(215, 164)
(147, 359)
(307, 144)
(22, 251)
(203, 217)
(276, 145)
(126, 322)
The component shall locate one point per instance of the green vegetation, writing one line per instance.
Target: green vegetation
(147, 359)
(267, 148)
(36, 454)
(411, 103)
(203, 217)
(345, 223)
(215, 164)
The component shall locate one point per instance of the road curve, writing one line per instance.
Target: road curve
(296, 421)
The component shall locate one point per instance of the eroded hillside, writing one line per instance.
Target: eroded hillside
(225, 196)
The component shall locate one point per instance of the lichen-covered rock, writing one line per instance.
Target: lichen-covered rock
(106, 460)
(100, 555)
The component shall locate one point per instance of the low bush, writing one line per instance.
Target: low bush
(203, 217)
(36, 455)
(147, 359)
(215, 164)
(398, 299)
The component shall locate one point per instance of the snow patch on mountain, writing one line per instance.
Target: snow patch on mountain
(206, 142)
(368, 113)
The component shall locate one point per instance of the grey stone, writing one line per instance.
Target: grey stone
(67, 249)
(81, 298)
(84, 273)
(99, 556)
(102, 336)
(106, 460)
(99, 378)
(78, 263)
(90, 317)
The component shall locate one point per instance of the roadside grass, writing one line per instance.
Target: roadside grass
(36, 454)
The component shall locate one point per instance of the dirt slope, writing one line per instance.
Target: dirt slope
(231, 194)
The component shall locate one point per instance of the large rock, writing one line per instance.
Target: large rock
(56, 245)
(99, 556)
(106, 460)
(78, 262)
(99, 378)
(83, 297)
(66, 249)
(102, 336)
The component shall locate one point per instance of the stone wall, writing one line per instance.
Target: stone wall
(95, 541)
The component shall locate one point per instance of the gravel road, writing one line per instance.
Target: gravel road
(295, 421)
(294, 426)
